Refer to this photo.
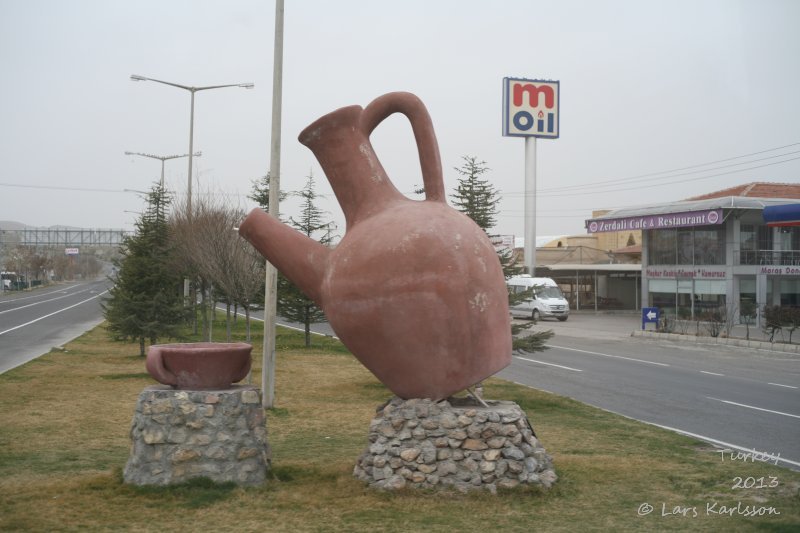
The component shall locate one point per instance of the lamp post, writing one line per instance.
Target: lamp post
(163, 158)
(191, 89)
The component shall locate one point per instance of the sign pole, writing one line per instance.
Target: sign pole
(530, 110)
(530, 205)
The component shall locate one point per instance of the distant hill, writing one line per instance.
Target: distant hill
(11, 225)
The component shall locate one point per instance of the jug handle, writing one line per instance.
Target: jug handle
(422, 126)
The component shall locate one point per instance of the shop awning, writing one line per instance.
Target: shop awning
(782, 215)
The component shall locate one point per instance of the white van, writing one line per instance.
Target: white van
(547, 299)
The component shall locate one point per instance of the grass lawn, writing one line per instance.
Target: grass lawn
(65, 418)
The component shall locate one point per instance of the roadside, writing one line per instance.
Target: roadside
(591, 325)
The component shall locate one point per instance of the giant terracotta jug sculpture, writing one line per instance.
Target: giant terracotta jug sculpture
(414, 289)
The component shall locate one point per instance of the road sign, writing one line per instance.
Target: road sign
(649, 315)
(530, 108)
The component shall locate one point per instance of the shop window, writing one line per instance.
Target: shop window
(684, 299)
(790, 245)
(709, 295)
(709, 245)
(687, 246)
(790, 292)
(662, 294)
(661, 247)
(747, 237)
(747, 291)
(764, 238)
(685, 241)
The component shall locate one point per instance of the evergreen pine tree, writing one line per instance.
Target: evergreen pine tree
(260, 192)
(292, 303)
(477, 198)
(145, 302)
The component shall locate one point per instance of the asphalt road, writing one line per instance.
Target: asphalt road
(737, 398)
(32, 323)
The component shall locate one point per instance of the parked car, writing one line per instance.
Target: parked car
(545, 298)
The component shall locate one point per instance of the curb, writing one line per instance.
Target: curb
(725, 341)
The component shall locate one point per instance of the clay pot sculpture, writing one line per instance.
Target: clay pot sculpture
(199, 365)
(414, 289)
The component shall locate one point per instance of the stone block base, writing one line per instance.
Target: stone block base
(177, 435)
(457, 444)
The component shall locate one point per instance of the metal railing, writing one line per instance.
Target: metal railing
(769, 257)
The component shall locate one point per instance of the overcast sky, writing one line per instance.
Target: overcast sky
(646, 87)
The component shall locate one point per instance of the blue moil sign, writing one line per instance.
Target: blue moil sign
(649, 315)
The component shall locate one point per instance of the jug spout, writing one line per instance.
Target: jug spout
(301, 259)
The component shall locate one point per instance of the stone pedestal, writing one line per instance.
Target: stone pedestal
(457, 444)
(177, 435)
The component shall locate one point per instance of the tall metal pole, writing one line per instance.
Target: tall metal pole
(271, 289)
(191, 149)
(530, 205)
(137, 77)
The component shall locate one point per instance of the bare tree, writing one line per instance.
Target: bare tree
(223, 260)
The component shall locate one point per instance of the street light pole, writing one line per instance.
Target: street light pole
(191, 89)
(271, 276)
(163, 158)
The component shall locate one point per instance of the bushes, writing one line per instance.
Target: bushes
(778, 318)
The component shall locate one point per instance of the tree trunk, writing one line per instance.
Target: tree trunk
(228, 321)
(141, 346)
(307, 324)
(247, 321)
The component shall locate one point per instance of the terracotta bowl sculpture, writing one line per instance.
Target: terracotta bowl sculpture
(199, 365)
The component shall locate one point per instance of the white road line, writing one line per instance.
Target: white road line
(719, 442)
(756, 408)
(780, 385)
(43, 301)
(10, 300)
(548, 364)
(675, 430)
(51, 314)
(287, 326)
(608, 355)
(711, 373)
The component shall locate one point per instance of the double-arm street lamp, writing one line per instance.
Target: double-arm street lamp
(163, 158)
(136, 77)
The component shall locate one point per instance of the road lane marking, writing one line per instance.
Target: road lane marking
(548, 364)
(752, 407)
(287, 326)
(63, 289)
(711, 373)
(51, 314)
(715, 442)
(607, 355)
(43, 301)
(719, 442)
(780, 385)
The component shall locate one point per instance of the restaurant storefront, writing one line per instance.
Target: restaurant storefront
(719, 254)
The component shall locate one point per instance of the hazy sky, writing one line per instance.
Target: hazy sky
(646, 87)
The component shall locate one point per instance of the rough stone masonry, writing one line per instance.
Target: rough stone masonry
(177, 435)
(457, 444)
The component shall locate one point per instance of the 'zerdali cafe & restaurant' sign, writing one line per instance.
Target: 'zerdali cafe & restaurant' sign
(665, 221)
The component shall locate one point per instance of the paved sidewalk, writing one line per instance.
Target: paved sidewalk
(591, 325)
